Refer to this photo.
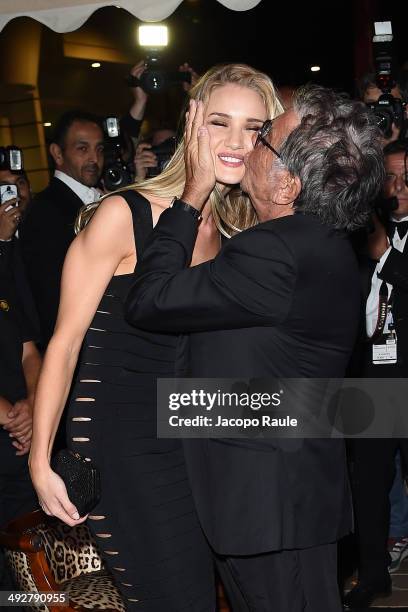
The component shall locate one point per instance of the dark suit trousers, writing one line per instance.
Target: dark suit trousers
(284, 581)
(372, 476)
(16, 492)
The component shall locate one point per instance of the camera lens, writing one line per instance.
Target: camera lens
(153, 80)
(117, 176)
(114, 176)
(385, 121)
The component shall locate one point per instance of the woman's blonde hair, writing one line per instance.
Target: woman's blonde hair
(234, 212)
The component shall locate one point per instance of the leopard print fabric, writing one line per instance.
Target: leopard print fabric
(70, 551)
(88, 589)
(73, 557)
(21, 571)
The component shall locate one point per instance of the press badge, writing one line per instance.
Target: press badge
(385, 352)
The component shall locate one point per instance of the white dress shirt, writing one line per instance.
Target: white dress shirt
(84, 193)
(373, 298)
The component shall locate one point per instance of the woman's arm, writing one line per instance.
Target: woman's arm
(92, 259)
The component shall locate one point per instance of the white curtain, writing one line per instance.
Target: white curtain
(68, 15)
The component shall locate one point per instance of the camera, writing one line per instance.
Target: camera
(155, 79)
(164, 151)
(117, 171)
(8, 192)
(387, 109)
(11, 158)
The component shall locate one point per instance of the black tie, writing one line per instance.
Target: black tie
(401, 227)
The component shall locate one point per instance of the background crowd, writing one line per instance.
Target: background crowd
(36, 231)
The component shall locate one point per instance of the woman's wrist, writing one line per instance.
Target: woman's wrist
(38, 460)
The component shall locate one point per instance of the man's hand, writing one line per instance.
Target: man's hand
(198, 157)
(139, 95)
(377, 241)
(22, 449)
(194, 76)
(5, 407)
(144, 159)
(20, 424)
(9, 220)
(395, 132)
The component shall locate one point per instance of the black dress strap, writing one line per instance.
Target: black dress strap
(142, 218)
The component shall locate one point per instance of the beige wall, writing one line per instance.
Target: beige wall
(21, 121)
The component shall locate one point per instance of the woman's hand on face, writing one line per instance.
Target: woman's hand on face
(198, 157)
(53, 497)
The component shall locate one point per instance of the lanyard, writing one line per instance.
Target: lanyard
(384, 305)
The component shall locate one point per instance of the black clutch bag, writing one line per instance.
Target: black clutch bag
(81, 478)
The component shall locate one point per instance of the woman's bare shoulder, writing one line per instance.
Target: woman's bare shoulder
(114, 205)
(117, 210)
(111, 218)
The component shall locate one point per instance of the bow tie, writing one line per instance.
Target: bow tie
(401, 227)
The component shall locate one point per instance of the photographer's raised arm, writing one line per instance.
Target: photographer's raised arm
(92, 259)
(132, 121)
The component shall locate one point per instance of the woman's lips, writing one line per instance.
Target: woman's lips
(231, 160)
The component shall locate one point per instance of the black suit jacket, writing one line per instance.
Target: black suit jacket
(282, 300)
(45, 237)
(395, 272)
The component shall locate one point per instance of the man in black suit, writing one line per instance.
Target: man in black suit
(385, 356)
(48, 230)
(280, 300)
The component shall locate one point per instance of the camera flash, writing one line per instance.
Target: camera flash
(153, 36)
(382, 28)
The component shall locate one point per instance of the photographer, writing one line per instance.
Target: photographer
(15, 191)
(19, 360)
(132, 121)
(9, 217)
(12, 213)
(20, 365)
(153, 153)
(393, 117)
(385, 356)
(148, 162)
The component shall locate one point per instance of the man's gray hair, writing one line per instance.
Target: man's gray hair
(337, 154)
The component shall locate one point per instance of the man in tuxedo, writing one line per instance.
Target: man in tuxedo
(48, 230)
(280, 300)
(385, 356)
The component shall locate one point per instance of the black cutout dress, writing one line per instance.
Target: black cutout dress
(151, 538)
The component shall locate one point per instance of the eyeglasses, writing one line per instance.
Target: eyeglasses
(262, 134)
(391, 177)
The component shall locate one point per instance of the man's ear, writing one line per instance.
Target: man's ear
(56, 154)
(289, 189)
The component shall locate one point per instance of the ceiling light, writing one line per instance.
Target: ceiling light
(96, 65)
(315, 68)
(47, 124)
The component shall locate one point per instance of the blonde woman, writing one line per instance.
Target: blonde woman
(146, 522)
